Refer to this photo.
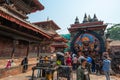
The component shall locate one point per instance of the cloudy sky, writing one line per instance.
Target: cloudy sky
(63, 12)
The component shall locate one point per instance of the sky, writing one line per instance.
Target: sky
(64, 12)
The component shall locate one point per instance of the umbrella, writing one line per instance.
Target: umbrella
(60, 53)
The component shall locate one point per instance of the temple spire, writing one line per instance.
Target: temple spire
(85, 18)
(76, 21)
(48, 18)
(95, 18)
(89, 18)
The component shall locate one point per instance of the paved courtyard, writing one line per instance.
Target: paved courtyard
(27, 76)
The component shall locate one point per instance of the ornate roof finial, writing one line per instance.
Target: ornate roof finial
(48, 18)
(85, 18)
(76, 20)
(95, 18)
(89, 18)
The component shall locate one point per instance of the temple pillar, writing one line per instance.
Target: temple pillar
(15, 42)
(28, 47)
(38, 49)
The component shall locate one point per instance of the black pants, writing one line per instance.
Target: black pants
(25, 67)
(74, 66)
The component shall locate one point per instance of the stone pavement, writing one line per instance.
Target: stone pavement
(27, 76)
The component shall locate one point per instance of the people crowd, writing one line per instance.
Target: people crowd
(10, 63)
(84, 64)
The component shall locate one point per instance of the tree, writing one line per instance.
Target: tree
(114, 32)
(66, 36)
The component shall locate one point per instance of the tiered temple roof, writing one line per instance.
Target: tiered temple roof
(50, 26)
(59, 38)
(59, 42)
(13, 18)
(22, 7)
(26, 5)
(18, 33)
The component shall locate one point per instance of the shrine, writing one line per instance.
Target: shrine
(88, 36)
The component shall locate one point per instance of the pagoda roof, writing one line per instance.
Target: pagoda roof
(61, 39)
(28, 6)
(40, 6)
(11, 17)
(51, 33)
(51, 22)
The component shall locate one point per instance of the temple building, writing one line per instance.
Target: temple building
(17, 34)
(88, 36)
(57, 43)
(115, 55)
(18, 37)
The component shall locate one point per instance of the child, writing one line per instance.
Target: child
(8, 64)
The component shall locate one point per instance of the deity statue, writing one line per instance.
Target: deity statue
(87, 43)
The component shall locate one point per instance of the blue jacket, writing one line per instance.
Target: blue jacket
(106, 65)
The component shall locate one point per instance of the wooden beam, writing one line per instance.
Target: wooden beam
(11, 8)
(18, 33)
(38, 53)
(23, 23)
